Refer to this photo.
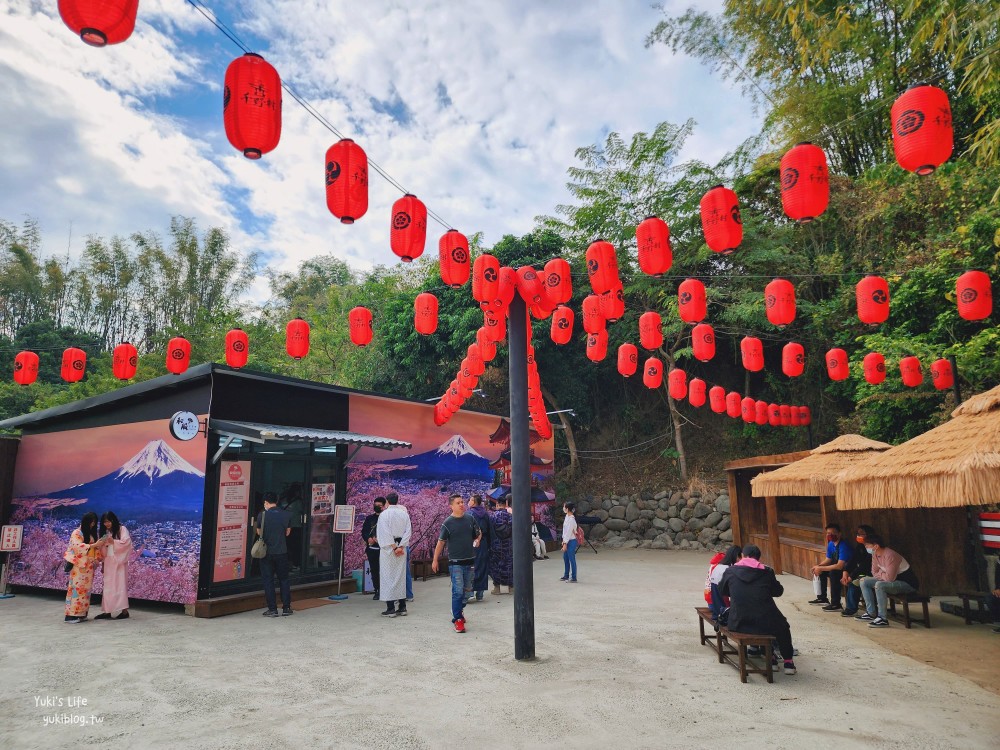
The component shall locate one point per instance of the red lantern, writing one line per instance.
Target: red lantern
(717, 399)
(774, 415)
(613, 303)
(691, 302)
(760, 412)
(441, 414)
(733, 404)
(558, 281)
(874, 367)
(347, 181)
(541, 311)
(909, 368)
(752, 353)
(795, 416)
(748, 410)
(602, 266)
(409, 228)
(872, 294)
(359, 321)
(628, 360)
(677, 384)
(453, 255)
(650, 330)
(25, 368)
(837, 365)
(922, 134)
(652, 237)
(495, 325)
(487, 346)
(237, 348)
(506, 289)
(593, 319)
(805, 182)
(720, 219)
(793, 359)
(74, 365)
(100, 22)
(297, 338)
(779, 302)
(703, 342)
(805, 416)
(485, 279)
(251, 105)
(974, 295)
(425, 313)
(785, 412)
(124, 361)
(529, 285)
(178, 355)
(466, 378)
(652, 373)
(597, 346)
(696, 392)
(562, 325)
(942, 375)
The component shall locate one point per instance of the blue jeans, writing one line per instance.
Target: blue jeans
(877, 592)
(569, 559)
(268, 567)
(409, 576)
(853, 594)
(461, 587)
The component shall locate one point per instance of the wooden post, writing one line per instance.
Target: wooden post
(734, 508)
(772, 533)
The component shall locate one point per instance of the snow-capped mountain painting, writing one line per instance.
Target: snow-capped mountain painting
(155, 483)
(453, 458)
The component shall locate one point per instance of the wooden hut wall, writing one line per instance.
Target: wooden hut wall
(8, 453)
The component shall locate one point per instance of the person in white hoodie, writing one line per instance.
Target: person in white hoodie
(569, 543)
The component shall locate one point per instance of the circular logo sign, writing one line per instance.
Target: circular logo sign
(235, 472)
(184, 425)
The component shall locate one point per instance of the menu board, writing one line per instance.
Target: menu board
(231, 522)
(323, 497)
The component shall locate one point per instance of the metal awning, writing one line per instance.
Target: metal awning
(256, 432)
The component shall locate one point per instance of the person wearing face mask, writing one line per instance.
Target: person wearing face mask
(858, 568)
(830, 569)
(891, 574)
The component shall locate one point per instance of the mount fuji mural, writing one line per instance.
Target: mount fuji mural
(454, 458)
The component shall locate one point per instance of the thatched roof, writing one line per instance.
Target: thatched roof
(811, 476)
(955, 464)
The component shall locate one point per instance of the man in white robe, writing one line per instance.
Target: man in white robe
(393, 532)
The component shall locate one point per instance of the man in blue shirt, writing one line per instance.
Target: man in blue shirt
(838, 555)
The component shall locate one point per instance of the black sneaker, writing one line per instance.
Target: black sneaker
(820, 600)
(375, 597)
(789, 668)
(832, 608)
(389, 613)
(879, 622)
(849, 613)
(864, 616)
(401, 612)
(286, 612)
(271, 613)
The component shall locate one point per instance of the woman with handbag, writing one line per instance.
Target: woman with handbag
(571, 535)
(114, 598)
(85, 550)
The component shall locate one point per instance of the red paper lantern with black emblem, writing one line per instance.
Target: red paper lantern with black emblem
(425, 313)
(408, 233)
(441, 414)
(562, 325)
(909, 368)
(942, 375)
(692, 305)
(748, 409)
(652, 373)
(495, 324)
(100, 22)
(237, 348)
(805, 182)
(652, 238)
(347, 181)
(124, 361)
(786, 415)
(602, 266)
(74, 365)
(628, 360)
(795, 416)
(793, 359)
(359, 320)
(529, 285)
(475, 358)
(779, 302)
(974, 295)
(593, 318)
(922, 131)
(874, 368)
(487, 346)
(297, 338)
(703, 342)
(805, 416)
(720, 220)
(506, 289)
(251, 105)
(613, 303)
(558, 281)
(466, 378)
(597, 346)
(650, 330)
(717, 399)
(696, 392)
(25, 368)
(774, 415)
(178, 355)
(752, 353)
(837, 365)
(677, 384)
(453, 256)
(485, 279)
(872, 294)
(760, 412)
(733, 404)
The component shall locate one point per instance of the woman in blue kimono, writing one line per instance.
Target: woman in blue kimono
(481, 580)
(502, 549)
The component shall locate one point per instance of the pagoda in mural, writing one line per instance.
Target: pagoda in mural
(501, 465)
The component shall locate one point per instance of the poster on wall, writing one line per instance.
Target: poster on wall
(323, 496)
(231, 522)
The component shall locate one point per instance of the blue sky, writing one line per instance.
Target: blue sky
(477, 107)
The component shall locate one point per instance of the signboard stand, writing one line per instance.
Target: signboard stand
(10, 541)
(343, 524)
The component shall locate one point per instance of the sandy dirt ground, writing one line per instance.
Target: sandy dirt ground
(619, 665)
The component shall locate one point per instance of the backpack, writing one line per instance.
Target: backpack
(578, 535)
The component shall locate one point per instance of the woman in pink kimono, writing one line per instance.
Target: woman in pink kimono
(114, 600)
(85, 551)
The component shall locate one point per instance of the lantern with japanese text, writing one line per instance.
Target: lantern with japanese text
(652, 373)
(485, 279)
(297, 338)
(909, 369)
(922, 132)
(359, 321)
(974, 295)
(872, 294)
(613, 303)
(74, 365)
(425, 313)
(178, 355)
(237, 348)
(779, 302)
(453, 257)
(795, 416)
(347, 181)
(748, 409)
(506, 289)
(652, 237)
(593, 319)
(650, 330)
(557, 278)
(734, 404)
(805, 416)
(793, 359)
(752, 353)
(760, 412)
(942, 375)
(562, 325)
(720, 220)
(696, 392)
(874, 367)
(677, 384)
(692, 305)
(25, 368)
(487, 346)
(837, 365)
(703, 342)
(774, 415)
(251, 105)
(628, 360)
(717, 399)
(805, 182)
(602, 266)
(597, 346)
(408, 233)
(99, 22)
(785, 412)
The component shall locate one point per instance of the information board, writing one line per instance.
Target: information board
(231, 521)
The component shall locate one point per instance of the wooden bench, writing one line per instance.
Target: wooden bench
(731, 647)
(906, 600)
(705, 616)
(981, 598)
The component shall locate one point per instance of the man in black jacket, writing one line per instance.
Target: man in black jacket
(859, 567)
(371, 541)
(751, 588)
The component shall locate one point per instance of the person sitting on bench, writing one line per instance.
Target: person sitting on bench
(831, 568)
(751, 588)
(858, 568)
(891, 574)
(717, 602)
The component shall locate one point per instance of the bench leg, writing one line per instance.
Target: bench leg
(769, 656)
(967, 610)
(718, 647)
(743, 662)
(927, 617)
(701, 629)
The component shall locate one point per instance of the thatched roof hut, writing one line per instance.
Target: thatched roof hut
(955, 464)
(811, 476)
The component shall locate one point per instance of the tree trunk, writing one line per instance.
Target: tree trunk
(675, 417)
(574, 458)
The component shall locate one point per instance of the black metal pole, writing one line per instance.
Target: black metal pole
(954, 374)
(520, 482)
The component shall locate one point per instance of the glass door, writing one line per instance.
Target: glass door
(286, 478)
